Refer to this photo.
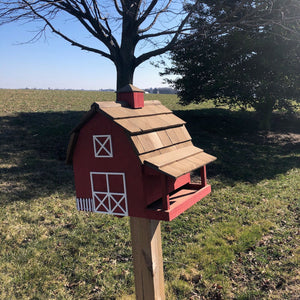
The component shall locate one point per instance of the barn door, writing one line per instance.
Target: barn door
(109, 193)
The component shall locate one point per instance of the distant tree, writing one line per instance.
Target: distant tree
(253, 66)
(130, 31)
(164, 90)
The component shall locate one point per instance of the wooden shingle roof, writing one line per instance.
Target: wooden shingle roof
(159, 138)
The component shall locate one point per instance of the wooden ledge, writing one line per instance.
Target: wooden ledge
(180, 200)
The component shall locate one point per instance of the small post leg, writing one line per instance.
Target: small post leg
(147, 259)
(165, 194)
(203, 176)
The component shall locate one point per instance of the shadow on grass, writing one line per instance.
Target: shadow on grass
(244, 153)
(33, 148)
(32, 155)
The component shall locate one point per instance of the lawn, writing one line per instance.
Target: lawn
(240, 242)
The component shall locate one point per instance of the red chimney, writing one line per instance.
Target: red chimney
(132, 95)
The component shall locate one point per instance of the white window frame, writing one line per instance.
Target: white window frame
(99, 146)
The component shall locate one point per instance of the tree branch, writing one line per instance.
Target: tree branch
(102, 33)
(169, 46)
(155, 18)
(73, 43)
(147, 12)
(162, 33)
(120, 12)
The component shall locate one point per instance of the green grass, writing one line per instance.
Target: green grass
(241, 242)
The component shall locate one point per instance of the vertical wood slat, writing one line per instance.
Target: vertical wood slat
(139, 146)
(178, 134)
(165, 194)
(203, 176)
(164, 138)
(147, 259)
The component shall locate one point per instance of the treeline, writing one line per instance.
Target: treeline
(163, 90)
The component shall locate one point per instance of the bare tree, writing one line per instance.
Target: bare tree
(131, 31)
(120, 25)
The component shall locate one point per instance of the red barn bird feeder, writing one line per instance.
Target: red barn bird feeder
(135, 162)
(134, 158)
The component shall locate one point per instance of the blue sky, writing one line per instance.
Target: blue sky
(53, 63)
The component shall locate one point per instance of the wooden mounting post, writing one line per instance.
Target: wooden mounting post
(147, 259)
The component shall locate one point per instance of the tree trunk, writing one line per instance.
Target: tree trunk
(264, 110)
(125, 63)
(125, 58)
(124, 75)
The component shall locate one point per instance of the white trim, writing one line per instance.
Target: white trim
(109, 194)
(99, 146)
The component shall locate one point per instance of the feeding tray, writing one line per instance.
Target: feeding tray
(180, 200)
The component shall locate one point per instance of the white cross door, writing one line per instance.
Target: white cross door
(109, 193)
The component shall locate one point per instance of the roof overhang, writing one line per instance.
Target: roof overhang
(179, 162)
